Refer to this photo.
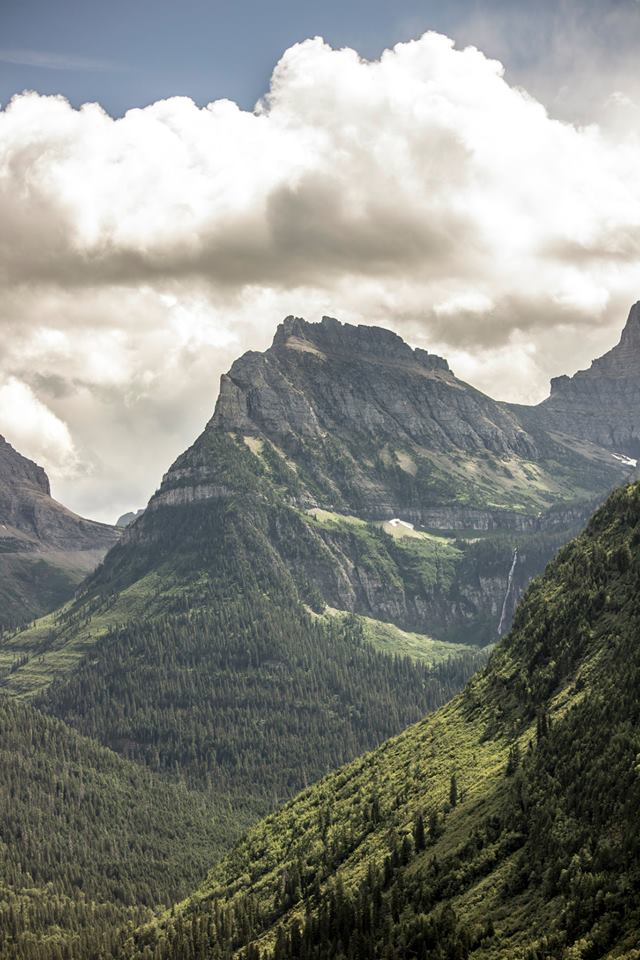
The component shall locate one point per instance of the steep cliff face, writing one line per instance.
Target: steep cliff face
(602, 404)
(45, 549)
(333, 379)
(364, 424)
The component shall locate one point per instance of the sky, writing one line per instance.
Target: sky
(175, 179)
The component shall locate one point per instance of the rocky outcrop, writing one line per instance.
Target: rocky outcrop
(45, 549)
(373, 427)
(33, 520)
(128, 518)
(331, 379)
(602, 404)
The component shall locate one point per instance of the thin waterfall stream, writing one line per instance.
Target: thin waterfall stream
(503, 613)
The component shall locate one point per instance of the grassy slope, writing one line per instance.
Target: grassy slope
(53, 646)
(390, 639)
(550, 860)
(31, 585)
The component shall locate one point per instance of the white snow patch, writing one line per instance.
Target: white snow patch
(628, 460)
(396, 522)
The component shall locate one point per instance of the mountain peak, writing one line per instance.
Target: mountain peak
(631, 332)
(45, 549)
(332, 337)
(18, 471)
(601, 403)
(621, 361)
(367, 424)
(339, 380)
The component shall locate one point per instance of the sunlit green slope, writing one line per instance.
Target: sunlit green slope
(504, 826)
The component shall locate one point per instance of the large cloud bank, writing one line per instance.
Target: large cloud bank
(138, 256)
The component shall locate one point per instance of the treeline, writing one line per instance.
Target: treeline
(247, 696)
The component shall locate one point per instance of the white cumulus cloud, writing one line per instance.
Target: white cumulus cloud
(32, 427)
(420, 191)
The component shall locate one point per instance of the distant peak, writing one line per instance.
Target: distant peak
(15, 468)
(335, 337)
(631, 332)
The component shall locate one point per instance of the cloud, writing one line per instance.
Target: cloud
(56, 61)
(30, 424)
(420, 191)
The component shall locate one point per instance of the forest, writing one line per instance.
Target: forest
(504, 825)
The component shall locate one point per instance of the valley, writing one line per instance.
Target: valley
(337, 556)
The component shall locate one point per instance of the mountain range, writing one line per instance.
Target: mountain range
(332, 559)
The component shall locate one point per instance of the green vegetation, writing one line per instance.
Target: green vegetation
(448, 584)
(250, 696)
(29, 587)
(449, 587)
(387, 638)
(200, 650)
(503, 826)
(229, 684)
(89, 841)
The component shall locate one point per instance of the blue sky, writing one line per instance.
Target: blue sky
(128, 53)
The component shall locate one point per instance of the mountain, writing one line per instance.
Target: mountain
(280, 564)
(331, 560)
(602, 404)
(90, 842)
(503, 826)
(372, 427)
(45, 549)
(128, 518)
(195, 650)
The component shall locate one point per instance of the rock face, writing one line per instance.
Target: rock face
(602, 404)
(45, 549)
(364, 424)
(354, 422)
(335, 379)
(128, 518)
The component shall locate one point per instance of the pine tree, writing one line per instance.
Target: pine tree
(453, 791)
(513, 761)
(419, 838)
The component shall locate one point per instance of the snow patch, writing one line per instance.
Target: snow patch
(628, 460)
(396, 522)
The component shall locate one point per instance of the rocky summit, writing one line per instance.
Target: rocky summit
(602, 404)
(330, 378)
(45, 549)
(367, 425)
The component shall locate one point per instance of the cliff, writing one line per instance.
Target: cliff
(602, 404)
(45, 549)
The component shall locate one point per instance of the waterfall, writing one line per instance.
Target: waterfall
(503, 614)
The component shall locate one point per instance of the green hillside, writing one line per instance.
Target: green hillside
(197, 652)
(89, 841)
(179, 557)
(504, 826)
